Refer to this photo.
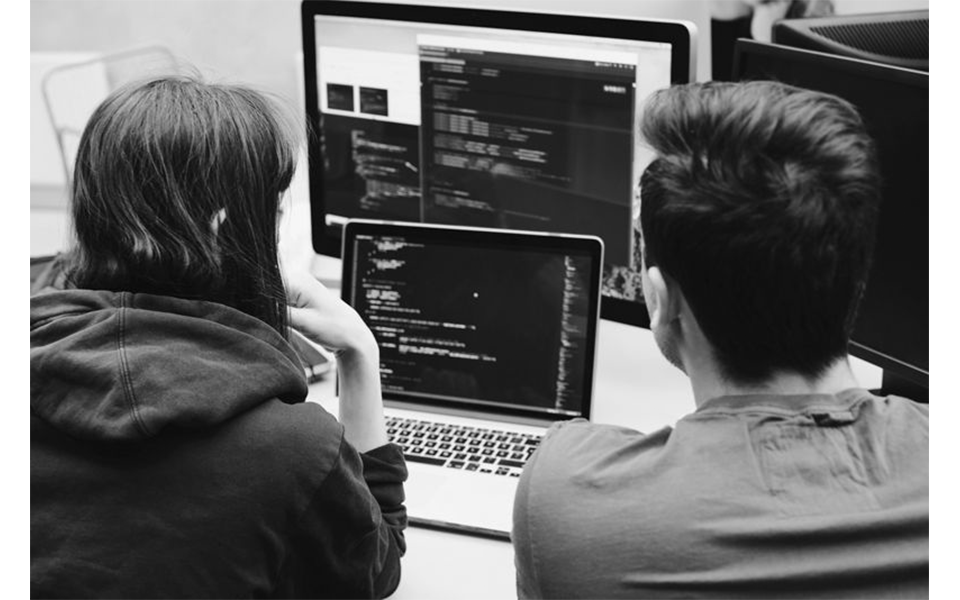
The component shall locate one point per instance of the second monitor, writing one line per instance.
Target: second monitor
(485, 118)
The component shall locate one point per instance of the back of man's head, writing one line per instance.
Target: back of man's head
(761, 204)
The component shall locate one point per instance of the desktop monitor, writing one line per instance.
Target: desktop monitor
(490, 118)
(892, 328)
(899, 38)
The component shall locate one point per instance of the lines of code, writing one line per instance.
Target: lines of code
(528, 142)
(485, 325)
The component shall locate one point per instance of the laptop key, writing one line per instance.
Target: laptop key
(472, 449)
(430, 460)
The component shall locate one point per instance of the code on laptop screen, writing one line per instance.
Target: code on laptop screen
(491, 325)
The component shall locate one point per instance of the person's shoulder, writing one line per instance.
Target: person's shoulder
(893, 407)
(580, 434)
(919, 410)
(305, 421)
(906, 417)
(302, 432)
(578, 448)
(580, 470)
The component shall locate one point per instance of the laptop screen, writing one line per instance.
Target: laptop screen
(478, 318)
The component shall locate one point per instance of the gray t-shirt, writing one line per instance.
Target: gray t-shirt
(748, 497)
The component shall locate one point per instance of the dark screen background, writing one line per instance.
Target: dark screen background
(476, 324)
(894, 317)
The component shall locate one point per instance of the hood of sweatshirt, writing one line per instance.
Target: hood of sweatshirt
(121, 367)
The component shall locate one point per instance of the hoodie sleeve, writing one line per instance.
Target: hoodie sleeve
(350, 540)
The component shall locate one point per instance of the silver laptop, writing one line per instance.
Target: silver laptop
(487, 336)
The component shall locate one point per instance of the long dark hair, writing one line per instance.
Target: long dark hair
(176, 192)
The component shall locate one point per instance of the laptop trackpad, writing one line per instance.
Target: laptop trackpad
(459, 497)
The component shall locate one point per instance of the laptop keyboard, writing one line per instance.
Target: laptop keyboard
(462, 446)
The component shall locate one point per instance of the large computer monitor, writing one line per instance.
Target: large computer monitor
(485, 118)
(892, 328)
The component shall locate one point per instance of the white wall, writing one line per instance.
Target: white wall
(253, 41)
(846, 7)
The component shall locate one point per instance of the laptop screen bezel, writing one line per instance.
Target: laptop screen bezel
(584, 245)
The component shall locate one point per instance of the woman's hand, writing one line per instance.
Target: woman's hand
(324, 318)
(327, 320)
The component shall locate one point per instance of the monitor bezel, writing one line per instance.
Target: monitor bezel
(681, 35)
(914, 374)
(586, 245)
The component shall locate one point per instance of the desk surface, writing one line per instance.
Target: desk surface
(635, 387)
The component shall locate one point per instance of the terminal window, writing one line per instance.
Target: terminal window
(525, 141)
(512, 333)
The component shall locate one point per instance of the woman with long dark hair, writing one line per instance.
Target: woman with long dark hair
(172, 452)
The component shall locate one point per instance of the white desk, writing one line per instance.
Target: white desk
(635, 387)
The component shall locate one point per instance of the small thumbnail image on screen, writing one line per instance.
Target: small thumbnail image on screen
(373, 101)
(340, 96)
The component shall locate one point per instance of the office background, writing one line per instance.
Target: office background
(258, 42)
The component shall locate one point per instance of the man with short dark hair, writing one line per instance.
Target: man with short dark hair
(758, 218)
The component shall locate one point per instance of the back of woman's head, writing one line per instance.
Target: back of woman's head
(176, 192)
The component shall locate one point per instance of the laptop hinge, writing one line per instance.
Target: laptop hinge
(469, 414)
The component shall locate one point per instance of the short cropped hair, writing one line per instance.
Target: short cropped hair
(176, 192)
(761, 203)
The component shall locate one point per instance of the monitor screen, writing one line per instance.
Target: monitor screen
(485, 118)
(892, 328)
(512, 327)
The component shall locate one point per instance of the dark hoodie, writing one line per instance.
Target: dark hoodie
(172, 455)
